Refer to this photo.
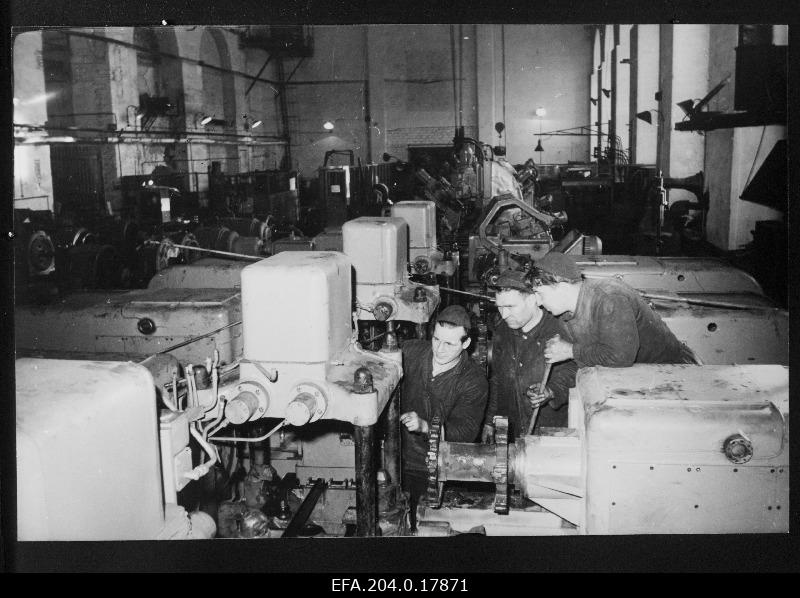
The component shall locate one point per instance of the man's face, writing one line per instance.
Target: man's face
(447, 344)
(517, 309)
(552, 298)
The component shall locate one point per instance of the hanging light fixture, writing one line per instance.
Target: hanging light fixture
(327, 125)
(539, 147)
(607, 93)
(593, 101)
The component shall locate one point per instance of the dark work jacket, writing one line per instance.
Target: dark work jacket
(517, 363)
(613, 326)
(458, 396)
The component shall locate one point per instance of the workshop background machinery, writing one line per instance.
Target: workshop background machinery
(651, 449)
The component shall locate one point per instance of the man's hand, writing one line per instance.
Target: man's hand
(538, 395)
(557, 349)
(487, 434)
(414, 423)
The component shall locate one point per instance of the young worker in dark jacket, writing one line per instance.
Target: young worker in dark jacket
(518, 362)
(440, 379)
(607, 322)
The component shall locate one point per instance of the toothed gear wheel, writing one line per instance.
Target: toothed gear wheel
(500, 471)
(434, 493)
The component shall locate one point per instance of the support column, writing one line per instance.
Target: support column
(684, 76)
(366, 485)
(490, 72)
(622, 87)
(375, 119)
(391, 444)
(644, 85)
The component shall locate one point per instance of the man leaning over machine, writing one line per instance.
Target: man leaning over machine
(440, 379)
(607, 322)
(522, 385)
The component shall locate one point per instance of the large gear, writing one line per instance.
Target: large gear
(434, 491)
(500, 471)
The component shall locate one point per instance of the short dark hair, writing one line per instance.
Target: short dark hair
(449, 324)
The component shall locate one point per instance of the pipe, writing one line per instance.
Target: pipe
(259, 439)
(202, 469)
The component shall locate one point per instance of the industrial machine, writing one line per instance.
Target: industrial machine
(123, 325)
(88, 461)
(378, 248)
(424, 255)
(651, 449)
(518, 231)
(299, 364)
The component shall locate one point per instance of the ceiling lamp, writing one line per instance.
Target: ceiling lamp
(328, 125)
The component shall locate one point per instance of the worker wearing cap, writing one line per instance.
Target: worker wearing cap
(440, 379)
(608, 323)
(518, 363)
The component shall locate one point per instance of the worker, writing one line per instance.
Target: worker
(608, 323)
(440, 379)
(517, 387)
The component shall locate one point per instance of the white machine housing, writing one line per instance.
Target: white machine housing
(88, 465)
(378, 248)
(420, 215)
(300, 355)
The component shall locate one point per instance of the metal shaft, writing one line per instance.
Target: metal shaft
(483, 297)
(366, 481)
(704, 302)
(254, 258)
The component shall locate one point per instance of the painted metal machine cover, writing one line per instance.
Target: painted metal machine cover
(297, 307)
(654, 440)
(205, 273)
(730, 336)
(378, 248)
(678, 274)
(88, 465)
(421, 219)
(112, 325)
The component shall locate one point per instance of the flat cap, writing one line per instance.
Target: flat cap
(455, 314)
(512, 279)
(559, 264)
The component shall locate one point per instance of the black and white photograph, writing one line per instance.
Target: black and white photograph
(398, 284)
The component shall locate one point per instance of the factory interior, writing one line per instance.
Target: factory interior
(224, 236)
